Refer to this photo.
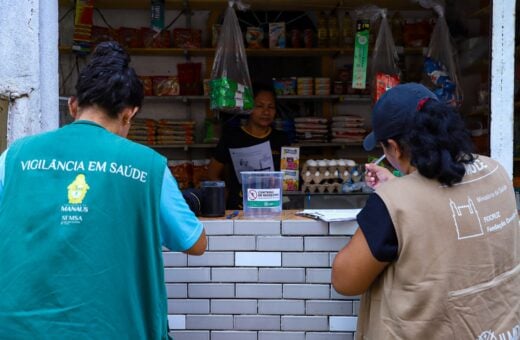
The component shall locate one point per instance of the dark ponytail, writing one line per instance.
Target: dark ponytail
(108, 81)
(438, 143)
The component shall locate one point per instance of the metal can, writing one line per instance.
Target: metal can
(295, 38)
(308, 37)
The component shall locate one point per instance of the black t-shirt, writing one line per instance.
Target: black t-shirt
(378, 228)
(239, 138)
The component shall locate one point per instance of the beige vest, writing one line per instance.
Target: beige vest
(458, 271)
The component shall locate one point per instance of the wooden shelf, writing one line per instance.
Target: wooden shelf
(272, 5)
(250, 52)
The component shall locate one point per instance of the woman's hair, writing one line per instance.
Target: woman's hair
(263, 87)
(438, 143)
(108, 81)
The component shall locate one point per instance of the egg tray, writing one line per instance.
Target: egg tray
(322, 188)
(322, 175)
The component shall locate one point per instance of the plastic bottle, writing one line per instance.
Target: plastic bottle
(347, 33)
(323, 32)
(333, 31)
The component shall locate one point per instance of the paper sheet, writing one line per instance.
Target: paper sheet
(330, 215)
(252, 158)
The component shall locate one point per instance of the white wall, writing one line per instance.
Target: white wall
(29, 67)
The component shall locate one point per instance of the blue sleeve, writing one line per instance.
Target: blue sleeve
(378, 228)
(180, 228)
(2, 173)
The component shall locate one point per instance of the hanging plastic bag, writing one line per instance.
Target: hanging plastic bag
(440, 63)
(230, 82)
(385, 70)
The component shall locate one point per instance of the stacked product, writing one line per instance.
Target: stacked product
(347, 129)
(311, 129)
(189, 174)
(143, 131)
(175, 131)
(329, 176)
(322, 86)
(287, 126)
(230, 96)
(305, 86)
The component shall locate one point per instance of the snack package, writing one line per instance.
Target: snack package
(385, 72)
(230, 83)
(187, 38)
(152, 39)
(289, 165)
(277, 35)
(440, 63)
(147, 85)
(165, 86)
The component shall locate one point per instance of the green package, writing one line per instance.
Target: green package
(359, 71)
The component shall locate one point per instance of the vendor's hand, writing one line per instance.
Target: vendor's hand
(376, 175)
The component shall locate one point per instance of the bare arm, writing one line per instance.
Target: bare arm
(355, 268)
(200, 246)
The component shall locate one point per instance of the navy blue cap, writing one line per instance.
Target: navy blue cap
(393, 111)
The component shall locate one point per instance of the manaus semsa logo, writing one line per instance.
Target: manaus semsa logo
(77, 190)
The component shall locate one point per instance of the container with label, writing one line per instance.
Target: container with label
(262, 193)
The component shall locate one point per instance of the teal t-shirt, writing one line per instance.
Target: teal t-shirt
(81, 229)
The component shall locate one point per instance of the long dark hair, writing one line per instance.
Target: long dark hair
(108, 82)
(438, 143)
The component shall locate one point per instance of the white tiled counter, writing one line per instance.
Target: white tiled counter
(261, 280)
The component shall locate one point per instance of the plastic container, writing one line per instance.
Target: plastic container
(262, 193)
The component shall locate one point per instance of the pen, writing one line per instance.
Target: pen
(233, 214)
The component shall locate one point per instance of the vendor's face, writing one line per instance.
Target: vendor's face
(265, 109)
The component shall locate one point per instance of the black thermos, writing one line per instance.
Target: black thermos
(213, 198)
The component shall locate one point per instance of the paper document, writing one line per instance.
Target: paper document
(330, 215)
(252, 158)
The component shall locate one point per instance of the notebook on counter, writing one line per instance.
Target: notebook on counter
(330, 215)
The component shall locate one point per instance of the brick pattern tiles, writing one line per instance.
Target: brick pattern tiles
(261, 281)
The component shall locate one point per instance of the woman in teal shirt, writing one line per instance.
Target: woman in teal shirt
(84, 213)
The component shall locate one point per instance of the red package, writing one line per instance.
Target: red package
(147, 85)
(129, 37)
(152, 39)
(100, 34)
(187, 38)
(384, 82)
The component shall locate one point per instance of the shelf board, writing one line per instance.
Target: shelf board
(250, 52)
(328, 144)
(272, 5)
(184, 99)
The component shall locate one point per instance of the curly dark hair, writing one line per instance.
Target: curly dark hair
(438, 143)
(108, 81)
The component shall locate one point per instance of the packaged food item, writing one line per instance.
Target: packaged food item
(129, 37)
(152, 39)
(187, 38)
(384, 82)
(147, 85)
(190, 80)
(100, 34)
(215, 34)
(289, 165)
(166, 86)
(200, 171)
(228, 95)
(277, 35)
(182, 171)
(255, 37)
(284, 86)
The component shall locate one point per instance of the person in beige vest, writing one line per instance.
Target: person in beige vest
(437, 251)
